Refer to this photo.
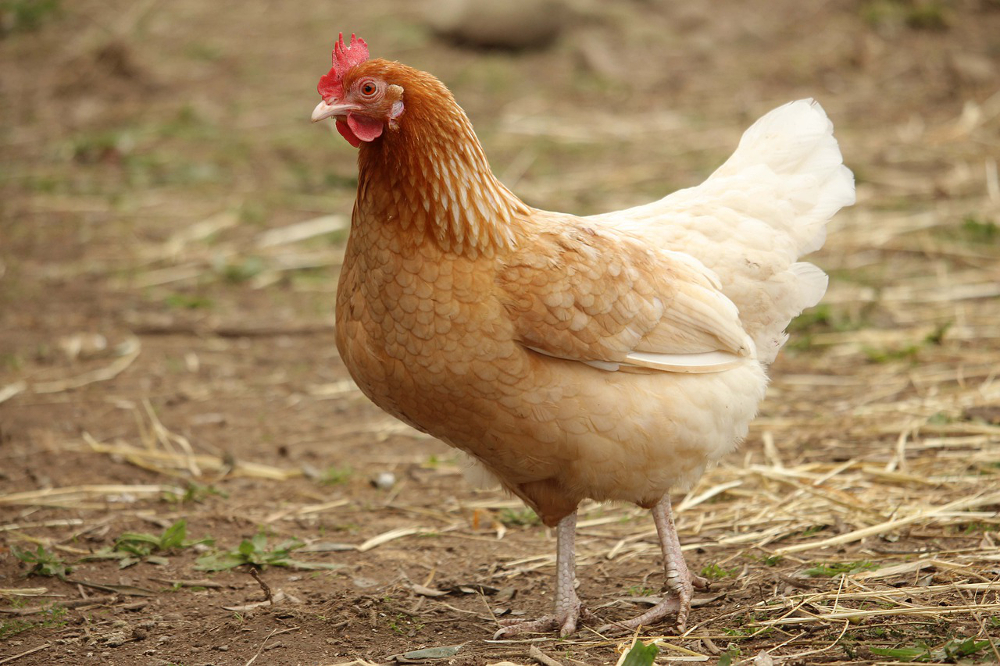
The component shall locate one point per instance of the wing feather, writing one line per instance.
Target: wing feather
(606, 298)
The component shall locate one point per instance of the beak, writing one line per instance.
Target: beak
(324, 110)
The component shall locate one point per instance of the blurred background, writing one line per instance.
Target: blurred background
(171, 229)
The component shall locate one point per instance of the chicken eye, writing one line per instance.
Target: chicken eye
(368, 88)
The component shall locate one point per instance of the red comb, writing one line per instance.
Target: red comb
(344, 58)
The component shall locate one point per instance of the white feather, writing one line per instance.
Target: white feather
(715, 361)
(752, 219)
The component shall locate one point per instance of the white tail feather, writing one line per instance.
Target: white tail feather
(756, 215)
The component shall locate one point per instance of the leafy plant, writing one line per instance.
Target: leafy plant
(134, 547)
(254, 552)
(43, 562)
(641, 654)
(731, 654)
(715, 572)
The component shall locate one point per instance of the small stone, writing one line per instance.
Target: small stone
(384, 480)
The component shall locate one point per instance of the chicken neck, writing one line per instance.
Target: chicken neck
(431, 175)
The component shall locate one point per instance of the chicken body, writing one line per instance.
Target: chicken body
(428, 337)
(612, 357)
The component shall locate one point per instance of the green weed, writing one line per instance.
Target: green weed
(188, 302)
(334, 475)
(731, 655)
(812, 529)
(241, 271)
(641, 654)
(839, 568)
(715, 572)
(951, 652)
(254, 552)
(134, 547)
(43, 562)
(521, 517)
(905, 353)
(195, 492)
(981, 232)
(26, 15)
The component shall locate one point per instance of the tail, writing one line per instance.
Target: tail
(796, 141)
(753, 218)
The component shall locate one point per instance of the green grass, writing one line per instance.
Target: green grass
(908, 352)
(188, 302)
(54, 616)
(333, 475)
(915, 14)
(26, 15)
(973, 230)
(980, 232)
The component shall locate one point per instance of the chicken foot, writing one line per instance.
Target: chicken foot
(680, 581)
(569, 610)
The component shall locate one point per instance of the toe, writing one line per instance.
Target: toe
(568, 626)
(699, 583)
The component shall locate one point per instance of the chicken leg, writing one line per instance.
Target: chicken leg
(569, 610)
(680, 581)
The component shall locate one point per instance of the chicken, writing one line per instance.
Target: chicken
(611, 357)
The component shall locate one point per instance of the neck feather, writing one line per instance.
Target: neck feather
(431, 176)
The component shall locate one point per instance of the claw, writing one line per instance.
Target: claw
(700, 584)
(671, 605)
(511, 628)
(566, 624)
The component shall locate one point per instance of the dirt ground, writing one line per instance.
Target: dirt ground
(167, 347)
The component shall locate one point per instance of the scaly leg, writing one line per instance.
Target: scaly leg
(568, 607)
(680, 581)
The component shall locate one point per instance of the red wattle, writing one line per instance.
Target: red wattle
(346, 132)
(366, 129)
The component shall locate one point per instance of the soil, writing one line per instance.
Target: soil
(147, 150)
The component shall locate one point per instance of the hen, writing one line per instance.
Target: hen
(610, 357)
